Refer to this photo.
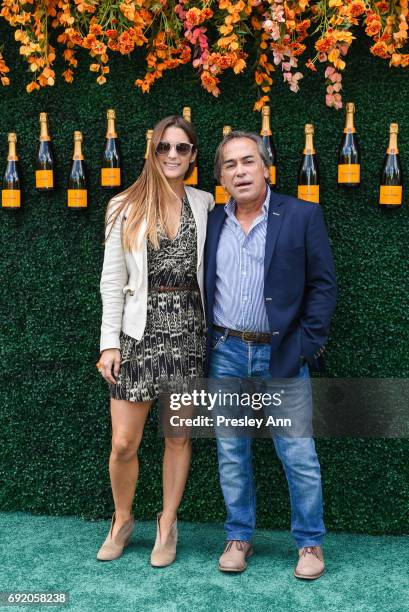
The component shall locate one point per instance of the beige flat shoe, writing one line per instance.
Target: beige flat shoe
(164, 554)
(113, 548)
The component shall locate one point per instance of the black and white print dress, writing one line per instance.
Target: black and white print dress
(172, 350)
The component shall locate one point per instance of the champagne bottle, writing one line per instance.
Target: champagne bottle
(77, 182)
(349, 155)
(390, 192)
(193, 178)
(221, 196)
(269, 145)
(45, 159)
(111, 159)
(11, 191)
(149, 134)
(308, 174)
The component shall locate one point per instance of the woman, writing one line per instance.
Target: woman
(154, 335)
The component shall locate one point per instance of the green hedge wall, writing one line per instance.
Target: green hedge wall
(55, 424)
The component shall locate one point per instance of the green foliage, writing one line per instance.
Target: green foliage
(55, 425)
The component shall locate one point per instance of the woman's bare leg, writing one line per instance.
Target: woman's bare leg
(128, 421)
(176, 464)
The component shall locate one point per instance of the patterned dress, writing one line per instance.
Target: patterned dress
(172, 350)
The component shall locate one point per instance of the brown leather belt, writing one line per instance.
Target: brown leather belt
(180, 288)
(247, 336)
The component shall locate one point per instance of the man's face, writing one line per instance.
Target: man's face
(243, 172)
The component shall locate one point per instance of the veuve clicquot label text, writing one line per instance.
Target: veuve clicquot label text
(349, 173)
(11, 197)
(310, 193)
(193, 178)
(110, 177)
(44, 179)
(221, 196)
(77, 198)
(390, 195)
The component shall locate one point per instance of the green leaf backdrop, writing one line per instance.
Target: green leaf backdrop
(55, 424)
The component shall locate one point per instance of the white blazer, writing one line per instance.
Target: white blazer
(124, 278)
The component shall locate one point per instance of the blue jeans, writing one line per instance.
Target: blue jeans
(232, 357)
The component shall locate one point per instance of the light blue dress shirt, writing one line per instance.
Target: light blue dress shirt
(239, 291)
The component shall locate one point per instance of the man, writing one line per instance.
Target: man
(269, 273)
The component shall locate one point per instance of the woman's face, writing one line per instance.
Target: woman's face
(174, 165)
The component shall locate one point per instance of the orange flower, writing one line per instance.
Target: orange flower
(356, 8)
(380, 49)
(32, 86)
(261, 102)
(68, 75)
(194, 16)
(239, 66)
(396, 59)
(309, 64)
(210, 82)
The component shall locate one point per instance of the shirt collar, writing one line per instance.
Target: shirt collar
(230, 207)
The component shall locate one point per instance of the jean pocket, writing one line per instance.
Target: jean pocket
(217, 338)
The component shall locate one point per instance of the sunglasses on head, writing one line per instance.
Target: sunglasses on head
(181, 148)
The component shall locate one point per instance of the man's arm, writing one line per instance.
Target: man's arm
(320, 289)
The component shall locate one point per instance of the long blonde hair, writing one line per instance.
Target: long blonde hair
(147, 199)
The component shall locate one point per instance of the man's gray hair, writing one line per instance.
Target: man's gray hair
(218, 158)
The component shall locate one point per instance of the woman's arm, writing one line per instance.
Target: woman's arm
(114, 277)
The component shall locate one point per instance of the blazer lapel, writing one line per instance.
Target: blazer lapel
(199, 211)
(139, 256)
(275, 218)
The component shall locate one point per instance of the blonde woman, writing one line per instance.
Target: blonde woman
(153, 327)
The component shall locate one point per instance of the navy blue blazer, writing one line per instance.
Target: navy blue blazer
(299, 281)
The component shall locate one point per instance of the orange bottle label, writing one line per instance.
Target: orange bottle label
(221, 196)
(311, 193)
(273, 174)
(77, 198)
(110, 177)
(44, 178)
(11, 197)
(193, 178)
(349, 173)
(390, 194)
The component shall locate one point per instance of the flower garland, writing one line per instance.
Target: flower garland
(212, 35)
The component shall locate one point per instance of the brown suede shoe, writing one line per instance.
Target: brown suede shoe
(234, 556)
(310, 563)
(113, 548)
(164, 554)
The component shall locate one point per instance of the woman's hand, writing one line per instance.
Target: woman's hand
(109, 358)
